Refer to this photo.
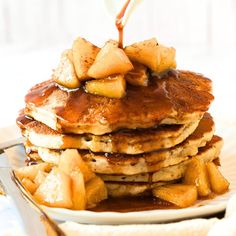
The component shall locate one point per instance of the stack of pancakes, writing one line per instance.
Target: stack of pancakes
(135, 143)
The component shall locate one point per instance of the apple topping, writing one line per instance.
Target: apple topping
(167, 58)
(65, 74)
(138, 76)
(96, 191)
(84, 54)
(196, 174)
(30, 172)
(144, 52)
(217, 181)
(112, 87)
(179, 194)
(68, 184)
(78, 190)
(29, 185)
(55, 190)
(151, 54)
(109, 61)
(86, 61)
(70, 160)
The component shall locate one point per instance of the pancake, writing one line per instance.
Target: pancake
(124, 185)
(207, 153)
(135, 164)
(177, 98)
(125, 141)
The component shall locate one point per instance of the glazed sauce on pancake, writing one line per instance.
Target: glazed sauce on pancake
(131, 204)
(119, 24)
(79, 103)
(157, 101)
(22, 120)
(39, 93)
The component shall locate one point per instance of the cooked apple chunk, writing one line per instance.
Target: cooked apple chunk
(29, 185)
(70, 160)
(40, 177)
(217, 181)
(167, 58)
(84, 54)
(157, 57)
(138, 76)
(196, 174)
(179, 194)
(96, 191)
(30, 172)
(112, 87)
(65, 74)
(144, 52)
(109, 61)
(78, 190)
(55, 190)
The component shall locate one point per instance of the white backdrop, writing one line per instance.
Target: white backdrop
(34, 32)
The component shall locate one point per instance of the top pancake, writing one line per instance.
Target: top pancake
(175, 99)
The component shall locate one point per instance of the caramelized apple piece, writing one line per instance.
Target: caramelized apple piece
(55, 190)
(148, 52)
(78, 190)
(29, 185)
(112, 87)
(167, 58)
(30, 172)
(109, 61)
(109, 46)
(145, 52)
(84, 54)
(40, 177)
(96, 191)
(217, 181)
(196, 174)
(179, 194)
(65, 73)
(71, 160)
(138, 76)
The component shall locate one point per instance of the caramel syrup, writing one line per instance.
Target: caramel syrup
(119, 24)
(131, 204)
(39, 93)
(22, 120)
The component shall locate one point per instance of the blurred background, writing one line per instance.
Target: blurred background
(33, 33)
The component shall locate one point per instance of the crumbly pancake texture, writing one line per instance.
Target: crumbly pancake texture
(124, 141)
(177, 98)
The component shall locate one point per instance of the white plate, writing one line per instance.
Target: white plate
(202, 208)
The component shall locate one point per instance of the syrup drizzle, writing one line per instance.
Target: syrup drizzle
(119, 24)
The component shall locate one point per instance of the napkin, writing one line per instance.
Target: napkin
(195, 227)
